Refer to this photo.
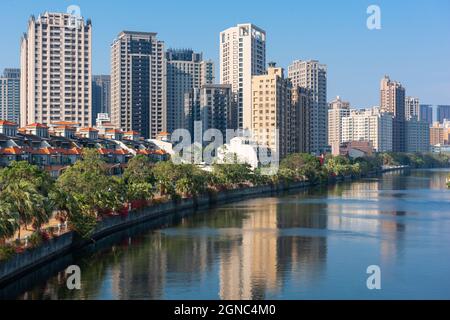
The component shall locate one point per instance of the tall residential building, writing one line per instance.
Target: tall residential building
(138, 89)
(242, 55)
(337, 110)
(426, 113)
(211, 105)
(312, 76)
(443, 113)
(56, 82)
(101, 95)
(185, 70)
(272, 108)
(412, 108)
(392, 96)
(300, 130)
(10, 95)
(369, 125)
(417, 136)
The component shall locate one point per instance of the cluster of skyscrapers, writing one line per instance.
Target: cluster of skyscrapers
(395, 125)
(154, 90)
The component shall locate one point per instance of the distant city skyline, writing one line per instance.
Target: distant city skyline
(415, 53)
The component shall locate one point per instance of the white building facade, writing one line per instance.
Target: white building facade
(369, 125)
(242, 55)
(338, 109)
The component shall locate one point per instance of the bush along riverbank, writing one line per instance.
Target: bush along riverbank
(93, 204)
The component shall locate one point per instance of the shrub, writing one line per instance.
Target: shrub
(6, 252)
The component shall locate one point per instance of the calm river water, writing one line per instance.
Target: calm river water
(314, 244)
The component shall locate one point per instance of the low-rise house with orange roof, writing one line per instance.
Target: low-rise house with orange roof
(115, 156)
(10, 154)
(163, 136)
(64, 131)
(114, 134)
(132, 135)
(37, 129)
(90, 133)
(8, 128)
(56, 147)
(71, 124)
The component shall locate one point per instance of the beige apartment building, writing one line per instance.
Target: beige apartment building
(312, 76)
(272, 110)
(138, 88)
(337, 110)
(242, 55)
(56, 70)
(439, 134)
(392, 98)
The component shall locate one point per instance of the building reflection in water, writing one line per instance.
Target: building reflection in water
(257, 267)
(363, 207)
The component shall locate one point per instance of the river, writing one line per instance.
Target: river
(313, 244)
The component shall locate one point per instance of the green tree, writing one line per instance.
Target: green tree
(90, 189)
(9, 222)
(138, 179)
(304, 166)
(24, 191)
(231, 174)
(139, 170)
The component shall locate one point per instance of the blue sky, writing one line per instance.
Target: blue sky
(413, 45)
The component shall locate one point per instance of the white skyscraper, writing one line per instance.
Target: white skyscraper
(138, 89)
(338, 109)
(242, 55)
(56, 70)
(412, 108)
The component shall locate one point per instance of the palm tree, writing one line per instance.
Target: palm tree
(9, 222)
(23, 199)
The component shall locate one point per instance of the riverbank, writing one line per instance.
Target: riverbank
(22, 263)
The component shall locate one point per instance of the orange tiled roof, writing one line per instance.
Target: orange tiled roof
(7, 123)
(113, 131)
(164, 133)
(144, 152)
(66, 127)
(12, 150)
(110, 151)
(88, 130)
(134, 133)
(65, 123)
(36, 125)
(148, 152)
